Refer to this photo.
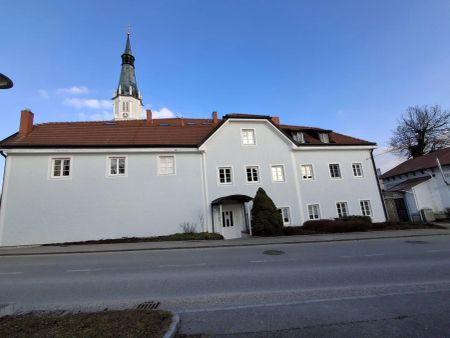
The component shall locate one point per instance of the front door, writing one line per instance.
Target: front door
(231, 221)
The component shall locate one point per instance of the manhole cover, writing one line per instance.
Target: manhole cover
(416, 242)
(273, 252)
(148, 306)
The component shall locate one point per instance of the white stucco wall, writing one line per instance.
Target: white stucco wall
(224, 149)
(92, 205)
(326, 191)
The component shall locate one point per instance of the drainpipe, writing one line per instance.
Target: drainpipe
(4, 175)
(378, 185)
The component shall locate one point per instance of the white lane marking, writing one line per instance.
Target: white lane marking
(312, 301)
(11, 273)
(85, 270)
(180, 265)
(374, 255)
(346, 256)
(432, 251)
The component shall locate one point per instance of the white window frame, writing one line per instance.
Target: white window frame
(360, 168)
(258, 174)
(108, 165)
(160, 173)
(52, 160)
(312, 172)
(318, 211)
(340, 170)
(370, 207)
(231, 174)
(324, 137)
(298, 136)
(288, 208)
(346, 207)
(242, 136)
(282, 170)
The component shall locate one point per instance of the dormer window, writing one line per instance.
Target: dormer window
(298, 137)
(324, 137)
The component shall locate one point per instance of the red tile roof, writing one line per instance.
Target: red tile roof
(420, 163)
(174, 132)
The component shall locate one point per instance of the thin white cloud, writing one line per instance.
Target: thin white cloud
(43, 94)
(74, 90)
(163, 113)
(87, 103)
(102, 116)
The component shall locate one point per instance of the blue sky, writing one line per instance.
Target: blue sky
(350, 66)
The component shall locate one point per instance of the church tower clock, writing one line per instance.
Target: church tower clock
(127, 98)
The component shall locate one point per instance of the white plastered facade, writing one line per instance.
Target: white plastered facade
(90, 205)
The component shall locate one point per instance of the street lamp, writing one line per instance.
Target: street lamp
(5, 82)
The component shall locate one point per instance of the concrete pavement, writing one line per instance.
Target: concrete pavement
(251, 241)
(367, 288)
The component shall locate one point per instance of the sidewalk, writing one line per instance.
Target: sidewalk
(251, 241)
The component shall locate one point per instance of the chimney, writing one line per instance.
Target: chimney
(214, 118)
(149, 121)
(26, 122)
(181, 121)
(276, 120)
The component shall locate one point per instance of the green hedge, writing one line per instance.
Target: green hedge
(338, 225)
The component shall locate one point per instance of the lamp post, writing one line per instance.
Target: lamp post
(5, 82)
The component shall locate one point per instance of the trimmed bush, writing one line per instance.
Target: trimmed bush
(332, 226)
(356, 218)
(266, 219)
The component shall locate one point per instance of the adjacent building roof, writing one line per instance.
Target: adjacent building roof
(424, 162)
(174, 132)
(408, 184)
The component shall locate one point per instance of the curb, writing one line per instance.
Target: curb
(217, 246)
(173, 328)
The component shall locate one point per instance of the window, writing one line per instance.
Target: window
(285, 215)
(248, 137)
(60, 167)
(366, 210)
(335, 171)
(324, 137)
(277, 173)
(126, 106)
(298, 137)
(342, 209)
(252, 174)
(314, 211)
(307, 172)
(167, 165)
(357, 170)
(225, 175)
(117, 166)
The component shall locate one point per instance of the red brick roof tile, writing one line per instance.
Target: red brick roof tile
(182, 132)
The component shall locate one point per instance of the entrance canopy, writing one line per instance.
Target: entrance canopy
(232, 198)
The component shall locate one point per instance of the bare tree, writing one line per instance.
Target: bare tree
(421, 130)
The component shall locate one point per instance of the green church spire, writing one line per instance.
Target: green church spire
(127, 83)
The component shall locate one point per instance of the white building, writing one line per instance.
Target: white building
(76, 181)
(421, 183)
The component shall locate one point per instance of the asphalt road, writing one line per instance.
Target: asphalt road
(372, 288)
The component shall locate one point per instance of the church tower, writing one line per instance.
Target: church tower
(127, 98)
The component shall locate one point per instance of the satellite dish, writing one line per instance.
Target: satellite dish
(5, 82)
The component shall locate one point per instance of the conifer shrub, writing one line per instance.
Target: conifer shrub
(266, 219)
(356, 218)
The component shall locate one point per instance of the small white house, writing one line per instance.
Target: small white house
(77, 181)
(419, 189)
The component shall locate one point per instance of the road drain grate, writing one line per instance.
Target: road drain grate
(416, 242)
(148, 306)
(273, 252)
